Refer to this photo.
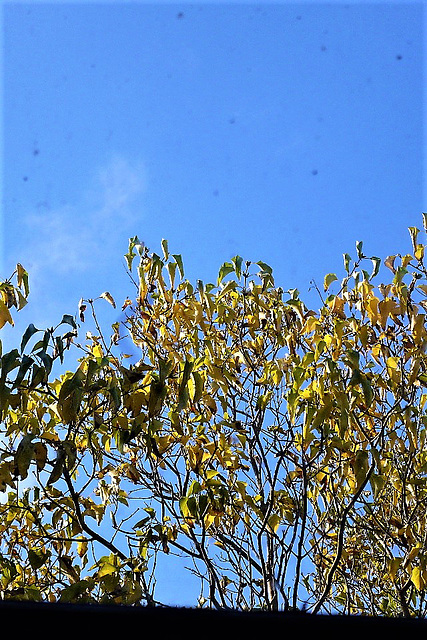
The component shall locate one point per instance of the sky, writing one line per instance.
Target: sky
(282, 132)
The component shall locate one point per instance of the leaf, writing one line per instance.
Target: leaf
(419, 578)
(68, 319)
(377, 484)
(229, 286)
(361, 466)
(376, 262)
(22, 278)
(225, 269)
(23, 456)
(57, 469)
(158, 392)
(40, 455)
(328, 280)
(165, 249)
(73, 591)
(29, 332)
(38, 557)
(183, 392)
(107, 296)
(367, 389)
(178, 260)
(26, 363)
(9, 361)
(21, 300)
(184, 507)
(265, 267)
(413, 232)
(5, 315)
(81, 309)
(237, 261)
(359, 246)
(347, 260)
(274, 522)
(70, 395)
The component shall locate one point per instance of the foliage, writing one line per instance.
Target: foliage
(281, 450)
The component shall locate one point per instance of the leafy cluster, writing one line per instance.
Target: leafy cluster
(281, 450)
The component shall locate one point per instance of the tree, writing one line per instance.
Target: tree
(281, 450)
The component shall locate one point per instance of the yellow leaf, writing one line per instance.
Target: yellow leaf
(406, 260)
(338, 307)
(107, 296)
(82, 547)
(418, 578)
(273, 522)
(419, 252)
(393, 566)
(4, 315)
(393, 363)
(97, 351)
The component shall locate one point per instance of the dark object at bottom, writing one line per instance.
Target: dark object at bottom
(31, 616)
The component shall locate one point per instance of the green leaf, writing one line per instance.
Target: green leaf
(265, 267)
(75, 590)
(57, 469)
(225, 269)
(376, 263)
(9, 362)
(377, 484)
(26, 363)
(194, 488)
(23, 456)
(359, 247)
(367, 389)
(347, 260)
(165, 249)
(184, 507)
(183, 391)
(38, 557)
(68, 319)
(328, 280)
(229, 286)
(361, 466)
(237, 261)
(22, 278)
(178, 260)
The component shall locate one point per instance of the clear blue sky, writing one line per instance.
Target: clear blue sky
(282, 132)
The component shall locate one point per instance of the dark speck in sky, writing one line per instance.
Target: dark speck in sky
(314, 172)
(232, 120)
(180, 15)
(25, 178)
(399, 57)
(323, 48)
(36, 152)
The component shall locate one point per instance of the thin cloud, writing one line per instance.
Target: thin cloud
(74, 250)
(75, 237)
(121, 183)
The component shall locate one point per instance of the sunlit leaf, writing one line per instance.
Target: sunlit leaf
(107, 296)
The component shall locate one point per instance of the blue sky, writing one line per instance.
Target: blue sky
(282, 132)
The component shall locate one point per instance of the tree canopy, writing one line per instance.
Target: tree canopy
(281, 450)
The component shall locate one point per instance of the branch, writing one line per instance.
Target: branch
(340, 543)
